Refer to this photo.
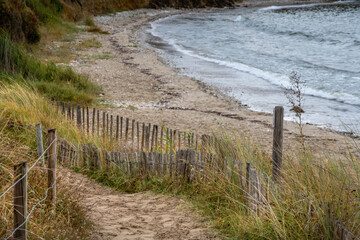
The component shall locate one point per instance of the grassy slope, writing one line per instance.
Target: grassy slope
(20, 109)
(26, 86)
(57, 83)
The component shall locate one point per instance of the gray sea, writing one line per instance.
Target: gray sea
(250, 54)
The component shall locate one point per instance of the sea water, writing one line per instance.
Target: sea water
(250, 54)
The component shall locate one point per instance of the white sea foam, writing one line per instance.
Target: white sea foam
(272, 77)
(267, 57)
(238, 19)
(300, 6)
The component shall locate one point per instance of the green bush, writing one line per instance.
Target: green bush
(45, 9)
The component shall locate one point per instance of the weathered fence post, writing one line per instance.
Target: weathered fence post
(248, 165)
(69, 111)
(107, 125)
(98, 122)
(121, 127)
(83, 119)
(111, 127)
(73, 112)
(87, 120)
(103, 127)
(52, 166)
(126, 129)
(63, 108)
(143, 164)
(278, 142)
(138, 135)
(156, 137)
(179, 139)
(143, 137)
(152, 139)
(117, 127)
(78, 116)
(190, 164)
(133, 133)
(40, 146)
(93, 122)
(147, 138)
(20, 201)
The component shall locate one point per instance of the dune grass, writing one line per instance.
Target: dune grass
(57, 83)
(296, 208)
(20, 109)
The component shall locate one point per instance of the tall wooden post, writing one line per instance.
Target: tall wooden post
(20, 202)
(52, 166)
(278, 142)
(40, 146)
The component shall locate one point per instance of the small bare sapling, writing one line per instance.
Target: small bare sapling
(295, 96)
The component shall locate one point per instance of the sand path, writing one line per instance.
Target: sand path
(132, 216)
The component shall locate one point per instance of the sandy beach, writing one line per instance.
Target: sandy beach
(138, 83)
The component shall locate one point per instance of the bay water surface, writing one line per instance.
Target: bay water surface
(250, 54)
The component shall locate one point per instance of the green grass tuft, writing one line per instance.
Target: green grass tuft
(57, 83)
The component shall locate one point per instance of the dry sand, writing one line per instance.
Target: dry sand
(137, 80)
(140, 216)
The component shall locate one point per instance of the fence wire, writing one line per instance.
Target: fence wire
(40, 158)
(33, 208)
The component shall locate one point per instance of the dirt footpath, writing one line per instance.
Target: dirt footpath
(132, 216)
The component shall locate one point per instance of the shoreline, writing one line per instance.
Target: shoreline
(182, 60)
(139, 82)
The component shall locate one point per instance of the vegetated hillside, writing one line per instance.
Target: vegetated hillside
(190, 3)
(22, 18)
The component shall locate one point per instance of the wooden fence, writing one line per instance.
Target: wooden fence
(20, 187)
(157, 152)
(340, 232)
(184, 164)
(139, 136)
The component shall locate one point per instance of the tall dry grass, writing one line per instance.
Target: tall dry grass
(294, 208)
(18, 144)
